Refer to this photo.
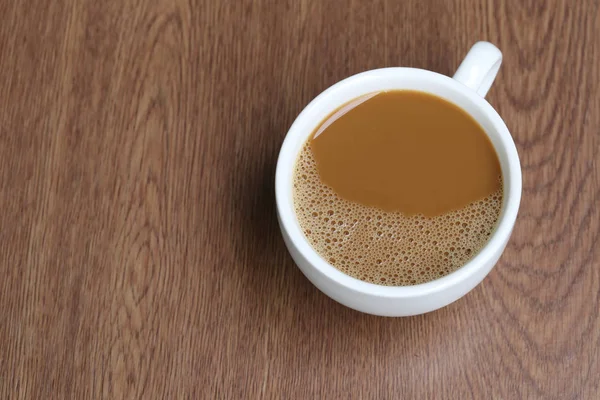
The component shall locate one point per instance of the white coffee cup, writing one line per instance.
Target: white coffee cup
(467, 90)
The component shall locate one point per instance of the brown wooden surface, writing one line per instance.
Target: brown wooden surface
(139, 251)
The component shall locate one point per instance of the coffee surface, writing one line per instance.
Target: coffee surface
(406, 151)
(376, 199)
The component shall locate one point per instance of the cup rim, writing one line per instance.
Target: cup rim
(290, 224)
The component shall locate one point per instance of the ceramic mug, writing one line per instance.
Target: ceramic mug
(467, 90)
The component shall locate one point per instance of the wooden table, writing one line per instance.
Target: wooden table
(140, 255)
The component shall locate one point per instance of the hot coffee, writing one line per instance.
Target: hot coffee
(398, 188)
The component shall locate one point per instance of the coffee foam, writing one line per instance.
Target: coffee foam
(387, 248)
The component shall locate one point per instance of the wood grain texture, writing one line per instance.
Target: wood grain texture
(139, 250)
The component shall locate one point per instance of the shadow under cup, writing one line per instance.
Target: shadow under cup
(396, 300)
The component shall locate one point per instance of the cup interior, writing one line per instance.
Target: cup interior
(398, 79)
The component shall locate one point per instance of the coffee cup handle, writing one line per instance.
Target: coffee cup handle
(479, 68)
